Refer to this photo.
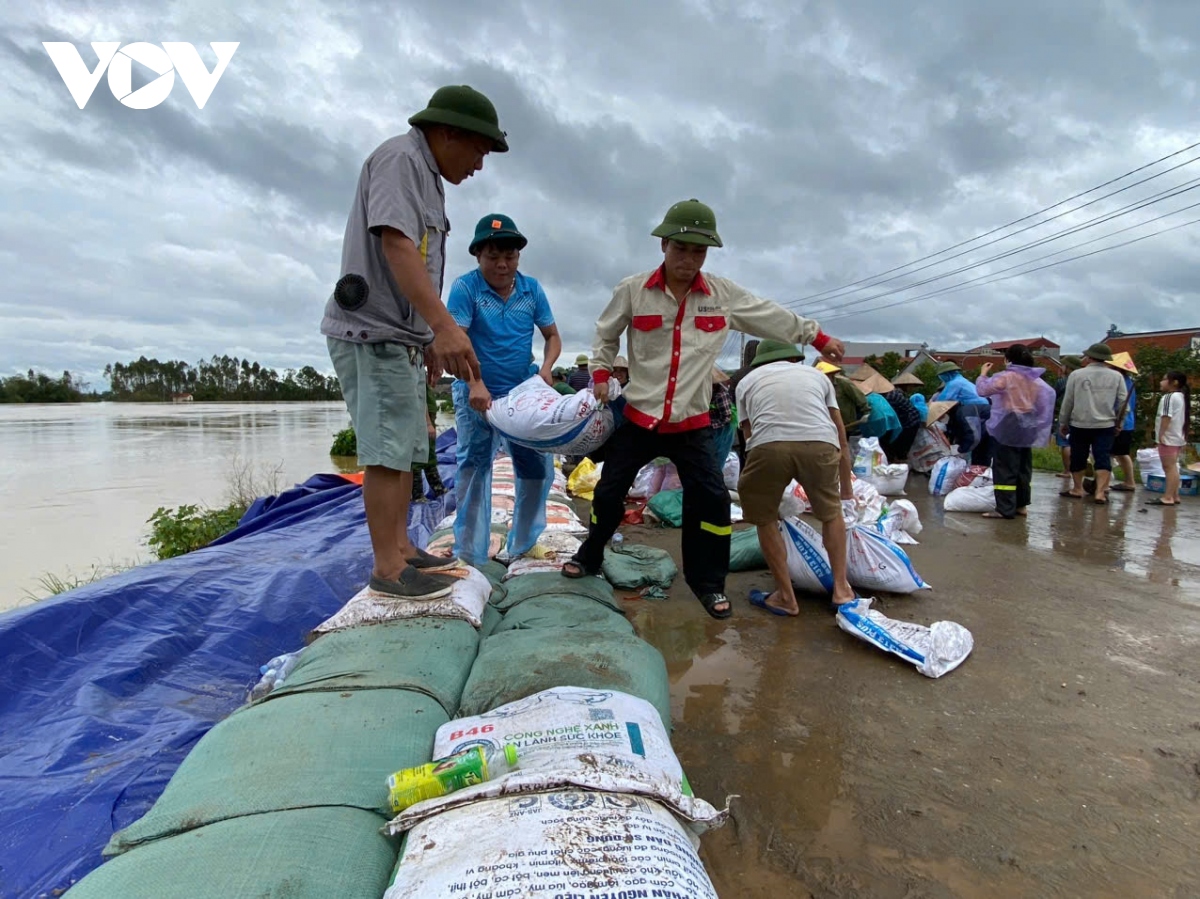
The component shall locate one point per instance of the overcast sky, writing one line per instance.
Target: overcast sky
(836, 139)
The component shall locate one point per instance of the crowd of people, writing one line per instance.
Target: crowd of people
(389, 335)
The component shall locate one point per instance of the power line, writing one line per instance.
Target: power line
(1167, 194)
(863, 281)
(993, 280)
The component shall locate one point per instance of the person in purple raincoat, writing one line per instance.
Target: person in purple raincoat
(1022, 415)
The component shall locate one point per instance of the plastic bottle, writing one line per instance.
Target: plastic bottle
(617, 539)
(442, 776)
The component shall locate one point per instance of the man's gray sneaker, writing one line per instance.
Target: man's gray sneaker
(413, 584)
(430, 563)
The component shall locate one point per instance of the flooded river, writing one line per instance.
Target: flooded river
(77, 482)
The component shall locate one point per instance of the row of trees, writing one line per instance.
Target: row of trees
(149, 380)
(36, 387)
(218, 378)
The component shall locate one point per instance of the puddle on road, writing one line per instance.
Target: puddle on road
(1157, 544)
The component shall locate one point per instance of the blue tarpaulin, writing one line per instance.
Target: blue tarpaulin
(105, 689)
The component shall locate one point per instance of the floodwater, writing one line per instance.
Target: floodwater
(78, 482)
(1061, 760)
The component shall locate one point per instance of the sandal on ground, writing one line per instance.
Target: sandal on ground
(995, 515)
(1069, 495)
(1157, 501)
(759, 598)
(710, 601)
(1101, 501)
(574, 569)
(1122, 488)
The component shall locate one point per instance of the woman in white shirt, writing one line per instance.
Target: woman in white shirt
(1174, 423)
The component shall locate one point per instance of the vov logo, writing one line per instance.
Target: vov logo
(164, 61)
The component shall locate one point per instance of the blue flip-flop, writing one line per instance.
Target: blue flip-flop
(759, 598)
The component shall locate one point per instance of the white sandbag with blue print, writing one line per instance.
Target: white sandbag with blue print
(877, 563)
(934, 650)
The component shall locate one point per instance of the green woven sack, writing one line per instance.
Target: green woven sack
(667, 506)
(550, 584)
(564, 611)
(315, 853)
(429, 655)
(493, 571)
(518, 663)
(299, 751)
(633, 565)
(744, 552)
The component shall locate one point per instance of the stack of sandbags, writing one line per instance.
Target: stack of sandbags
(288, 795)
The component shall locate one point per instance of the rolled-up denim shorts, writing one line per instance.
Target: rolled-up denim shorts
(384, 388)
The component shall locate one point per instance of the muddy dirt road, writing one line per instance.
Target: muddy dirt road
(1061, 759)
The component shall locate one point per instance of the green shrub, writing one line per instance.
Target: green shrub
(345, 443)
(174, 532)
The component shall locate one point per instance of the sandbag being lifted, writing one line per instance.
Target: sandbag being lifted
(539, 417)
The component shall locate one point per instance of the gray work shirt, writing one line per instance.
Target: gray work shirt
(399, 187)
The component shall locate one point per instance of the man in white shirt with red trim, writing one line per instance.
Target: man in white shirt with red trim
(676, 320)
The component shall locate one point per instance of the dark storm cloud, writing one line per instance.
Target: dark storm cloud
(834, 139)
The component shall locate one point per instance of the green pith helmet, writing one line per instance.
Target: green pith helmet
(1098, 351)
(775, 351)
(498, 227)
(946, 367)
(463, 107)
(690, 221)
(581, 359)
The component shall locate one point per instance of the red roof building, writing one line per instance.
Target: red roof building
(1182, 339)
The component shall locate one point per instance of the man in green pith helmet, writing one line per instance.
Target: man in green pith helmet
(580, 377)
(675, 320)
(387, 330)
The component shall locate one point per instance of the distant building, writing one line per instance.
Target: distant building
(1181, 339)
(1046, 354)
(181, 398)
(857, 351)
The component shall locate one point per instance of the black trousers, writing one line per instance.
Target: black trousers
(706, 528)
(1012, 474)
(897, 450)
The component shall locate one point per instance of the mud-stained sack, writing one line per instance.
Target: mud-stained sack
(601, 740)
(934, 650)
(807, 561)
(945, 474)
(571, 843)
(929, 446)
(537, 416)
(876, 563)
(649, 479)
(466, 602)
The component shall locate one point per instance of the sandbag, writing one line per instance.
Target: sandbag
(889, 480)
(981, 498)
(518, 663)
(934, 650)
(929, 446)
(570, 843)
(876, 563)
(649, 479)
(310, 853)
(429, 655)
(563, 611)
(745, 554)
(466, 601)
(570, 737)
(539, 417)
(1149, 464)
(972, 473)
(667, 507)
(900, 519)
(296, 751)
(441, 541)
(945, 473)
(868, 503)
(631, 566)
(807, 561)
(869, 456)
(551, 586)
(671, 479)
(731, 471)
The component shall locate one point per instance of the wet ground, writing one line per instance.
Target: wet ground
(1061, 759)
